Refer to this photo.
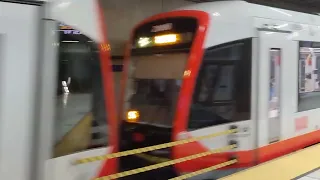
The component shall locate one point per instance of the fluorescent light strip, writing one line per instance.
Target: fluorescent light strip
(70, 41)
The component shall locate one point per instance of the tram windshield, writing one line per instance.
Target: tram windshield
(159, 50)
(155, 84)
(223, 87)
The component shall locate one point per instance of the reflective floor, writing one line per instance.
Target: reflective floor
(73, 124)
(71, 108)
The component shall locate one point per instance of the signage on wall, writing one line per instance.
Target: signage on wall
(68, 29)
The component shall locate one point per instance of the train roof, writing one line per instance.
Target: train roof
(241, 9)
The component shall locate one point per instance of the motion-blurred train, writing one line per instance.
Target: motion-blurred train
(28, 45)
(209, 67)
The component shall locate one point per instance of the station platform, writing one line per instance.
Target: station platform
(71, 108)
(300, 165)
(73, 123)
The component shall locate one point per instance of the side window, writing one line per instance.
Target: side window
(80, 104)
(223, 88)
(309, 76)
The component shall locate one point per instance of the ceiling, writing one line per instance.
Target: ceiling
(308, 6)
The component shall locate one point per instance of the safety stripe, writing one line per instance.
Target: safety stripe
(164, 164)
(152, 148)
(153, 159)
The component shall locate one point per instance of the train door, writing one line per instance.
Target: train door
(272, 51)
(84, 45)
(28, 64)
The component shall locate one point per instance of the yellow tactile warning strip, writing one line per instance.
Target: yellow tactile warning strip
(285, 168)
(77, 139)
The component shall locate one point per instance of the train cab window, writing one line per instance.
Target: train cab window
(154, 86)
(223, 88)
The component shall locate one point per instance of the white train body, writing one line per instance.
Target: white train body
(284, 97)
(269, 28)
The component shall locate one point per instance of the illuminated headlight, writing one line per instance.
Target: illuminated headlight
(144, 41)
(133, 116)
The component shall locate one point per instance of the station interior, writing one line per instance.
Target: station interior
(80, 110)
(75, 106)
(80, 116)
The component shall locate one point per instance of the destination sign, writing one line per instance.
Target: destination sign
(165, 34)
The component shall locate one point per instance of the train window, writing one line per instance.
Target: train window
(80, 108)
(155, 84)
(309, 76)
(223, 87)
